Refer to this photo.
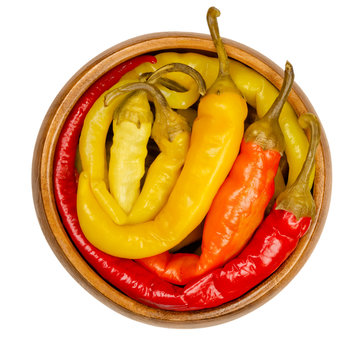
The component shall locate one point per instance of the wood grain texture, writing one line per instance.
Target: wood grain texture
(42, 173)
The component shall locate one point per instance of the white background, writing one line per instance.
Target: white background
(45, 314)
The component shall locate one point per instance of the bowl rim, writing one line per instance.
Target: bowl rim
(61, 244)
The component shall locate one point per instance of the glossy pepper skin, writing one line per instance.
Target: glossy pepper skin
(191, 197)
(271, 245)
(124, 274)
(238, 207)
(275, 239)
(215, 141)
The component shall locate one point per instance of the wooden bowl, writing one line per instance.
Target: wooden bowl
(42, 182)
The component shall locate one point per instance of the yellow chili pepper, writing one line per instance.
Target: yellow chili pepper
(93, 158)
(131, 131)
(171, 132)
(215, 142)
(128, 153)
(132, 128)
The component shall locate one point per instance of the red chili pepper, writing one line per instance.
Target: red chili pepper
(273, 242)
(271, 245)
(238, 207)
(124, 274)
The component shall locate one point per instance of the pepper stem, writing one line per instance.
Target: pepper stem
(266, 132)
(224, 81)
(178, 67)
(151, 90)
(168, 83)
(297, 199)
(275, 109)
(212, 14)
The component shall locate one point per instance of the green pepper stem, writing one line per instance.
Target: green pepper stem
(266, 132)
(172, 85)
(178, 67)
(275, 109)
(297, 199)
(224, 82)
(157, 96)
(168, 83)
(212, 14)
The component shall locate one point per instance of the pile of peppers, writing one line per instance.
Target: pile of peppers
(144, 167)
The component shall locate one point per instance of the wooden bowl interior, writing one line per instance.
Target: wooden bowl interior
(62, 245)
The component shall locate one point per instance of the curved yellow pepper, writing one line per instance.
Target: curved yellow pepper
(132, 128)
(124, 189)
(130, 207)
(171, 133)
(215, 142)
(160, 179)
